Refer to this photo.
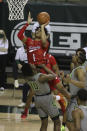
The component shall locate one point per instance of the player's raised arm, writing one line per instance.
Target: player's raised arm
(44, 35)
(21, 35)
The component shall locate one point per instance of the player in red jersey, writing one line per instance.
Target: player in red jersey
(54, 67)
(35, 48)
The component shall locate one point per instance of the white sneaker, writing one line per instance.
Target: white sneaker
(1, 88)
(16, 84)
(21, 105)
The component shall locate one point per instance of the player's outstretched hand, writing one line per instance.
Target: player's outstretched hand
(29, 18)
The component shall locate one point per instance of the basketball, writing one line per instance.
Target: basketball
(43, 17)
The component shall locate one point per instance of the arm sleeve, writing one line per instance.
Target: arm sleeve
(21, 32)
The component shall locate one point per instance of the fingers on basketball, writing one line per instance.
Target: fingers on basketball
(47, 23)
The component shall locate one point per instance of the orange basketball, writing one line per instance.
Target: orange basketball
(43, 17)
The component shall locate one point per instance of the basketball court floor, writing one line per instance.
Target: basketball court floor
(10, 119)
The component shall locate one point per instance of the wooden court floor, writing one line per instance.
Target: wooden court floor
(10, 119)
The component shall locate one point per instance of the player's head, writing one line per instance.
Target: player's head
(36, 26)
(81, 50)
(28, 69)
(38, 32)
(82, 95)
(79, 57)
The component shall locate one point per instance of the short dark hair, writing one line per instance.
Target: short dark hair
(44, 30)
(27, 70)
(82, 55)
(81, 50)
(82, 94)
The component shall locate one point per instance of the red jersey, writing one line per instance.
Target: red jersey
(49, 63)
(35, 52)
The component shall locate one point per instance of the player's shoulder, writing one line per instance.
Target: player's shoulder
(80, 68)
(76, 111)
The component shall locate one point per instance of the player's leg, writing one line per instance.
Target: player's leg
(28, 102)
(53, 112)
(44, 118)
(57, 123)
(63, 122)
(26, 89)
(3, 64)
(70, 126)
(49, 108)
(44, 124)
(15, 74)
(69, 120)
(62, 102)
(25, 92)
